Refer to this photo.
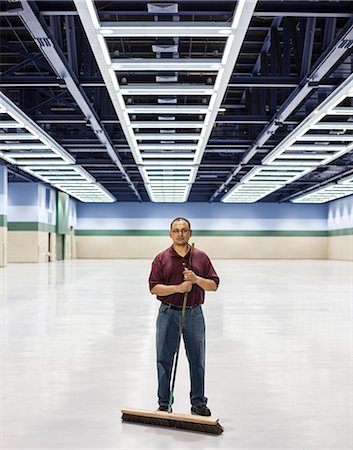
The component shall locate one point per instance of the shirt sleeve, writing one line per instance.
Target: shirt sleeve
(210, 272)
(156, 275)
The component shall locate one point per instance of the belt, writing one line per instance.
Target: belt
(171, 306)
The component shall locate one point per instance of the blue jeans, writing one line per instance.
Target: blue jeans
(168, 322)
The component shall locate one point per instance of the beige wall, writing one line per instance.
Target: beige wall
(33, 246)
(70, 244)
(216, 247)
(3, 246)
(27, 246)
(340, 247)
(120, 246)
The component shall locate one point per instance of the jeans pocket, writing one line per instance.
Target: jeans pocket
(163, 309)
(197, 311)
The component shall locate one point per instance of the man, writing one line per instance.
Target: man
(169, 279)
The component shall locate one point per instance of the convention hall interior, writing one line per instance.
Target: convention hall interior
(119, 116)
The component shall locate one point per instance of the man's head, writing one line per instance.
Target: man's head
(180, 231)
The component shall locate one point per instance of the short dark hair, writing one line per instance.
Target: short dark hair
(180, 218)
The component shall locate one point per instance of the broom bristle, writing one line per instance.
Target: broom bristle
(172, 422)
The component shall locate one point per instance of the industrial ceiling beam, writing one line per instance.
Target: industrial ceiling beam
(334, 53)
(57, 60)
(316, 186)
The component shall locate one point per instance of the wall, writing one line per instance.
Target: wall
(340, 226)
(265, 230)
(3, 216)
(31, 217)
(70, 240)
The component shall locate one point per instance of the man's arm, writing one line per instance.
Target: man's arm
(205, 283)
(163, 289)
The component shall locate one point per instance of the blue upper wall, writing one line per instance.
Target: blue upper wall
(203, 216)
(340, 214)
(202, 210)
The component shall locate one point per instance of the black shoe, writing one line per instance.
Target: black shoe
(163, 408)
(201, 410)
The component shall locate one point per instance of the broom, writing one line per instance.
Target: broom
(169, 419)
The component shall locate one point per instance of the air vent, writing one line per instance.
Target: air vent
(166, 79)
(162, 8)
(165, 48)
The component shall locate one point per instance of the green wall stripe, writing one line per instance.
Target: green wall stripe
(39, 226)
(121, 232)
(31, 226)
(343, 232)
(201, 233)
(3, 220)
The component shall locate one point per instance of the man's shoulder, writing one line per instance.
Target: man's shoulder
(162, 254)
(200, 253)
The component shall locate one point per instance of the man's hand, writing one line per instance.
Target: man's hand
(204, 283)
(185, 286)
(189, 275)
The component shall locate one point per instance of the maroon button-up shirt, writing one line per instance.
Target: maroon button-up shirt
(167, 268)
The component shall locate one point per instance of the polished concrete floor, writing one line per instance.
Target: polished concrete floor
(78, 344)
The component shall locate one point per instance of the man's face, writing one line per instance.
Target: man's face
(180, 232)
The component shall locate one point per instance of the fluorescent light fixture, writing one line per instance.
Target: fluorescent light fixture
(167, 155)
(24, 147)
(167, 147)
(241, 193)
(346, 180)
(325, 194)
(292, 173)
(48, 171)
(72, 183)
(18, 136)
(302, 163)
(69, 177)
(30, 155)
(61, 170)
(157, 109)
(341, 111)
(187, 89)
(12, 124)
(167, 163)
(326, 137)
(40, 161)
(165, 137)
(171, 189)
(169, 29)
(300, 156)
(164, 124)
(333, 126)
(165, 29)
(163, 178)
(38, 133)
(317, 147)
(166, 64)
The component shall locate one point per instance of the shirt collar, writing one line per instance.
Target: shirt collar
(174, 254)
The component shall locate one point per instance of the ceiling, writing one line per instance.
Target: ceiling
(200, 101)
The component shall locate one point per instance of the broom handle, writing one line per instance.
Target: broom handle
(182, 319)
